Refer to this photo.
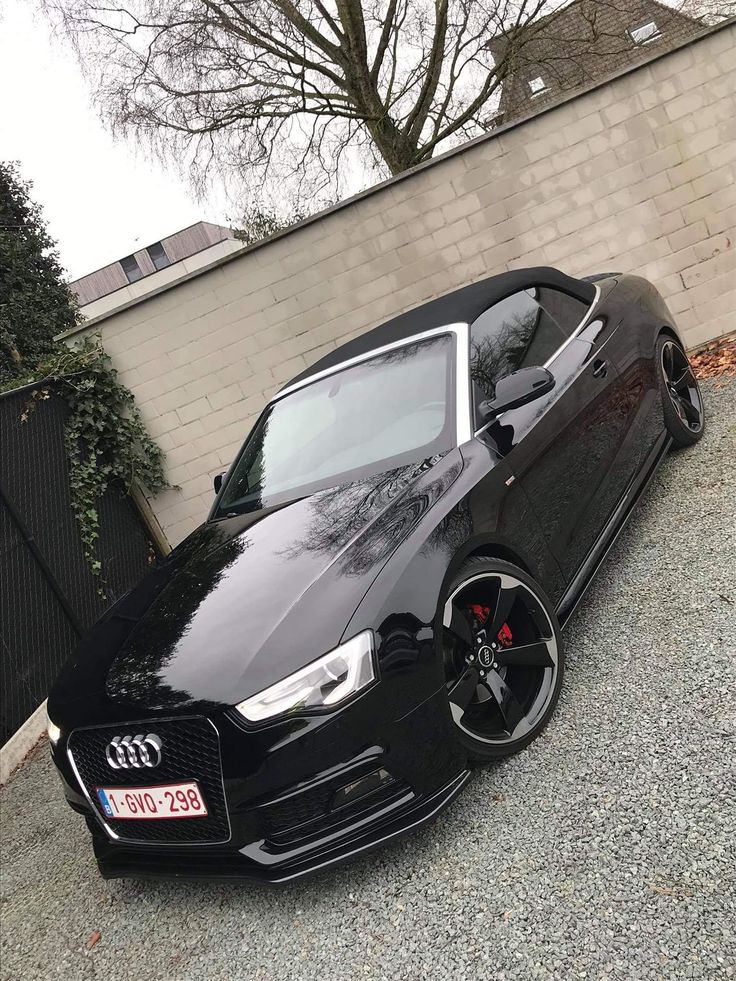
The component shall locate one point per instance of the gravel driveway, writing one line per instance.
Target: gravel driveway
(606, 850)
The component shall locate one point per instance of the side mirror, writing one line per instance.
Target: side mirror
(218, 482)
(516, 389)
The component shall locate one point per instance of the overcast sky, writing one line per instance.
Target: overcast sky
(101, 199)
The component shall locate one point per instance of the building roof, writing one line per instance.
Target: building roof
(577, 45)
(149, 260)
(461, 306)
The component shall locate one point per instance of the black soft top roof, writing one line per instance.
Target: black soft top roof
(461, 306)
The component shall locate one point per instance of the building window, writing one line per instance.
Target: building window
(131, 268)
(158, 255)
(647, 32)
(538, 85)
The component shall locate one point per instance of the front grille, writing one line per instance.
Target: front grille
(190, 750)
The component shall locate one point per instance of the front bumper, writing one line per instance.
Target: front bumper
(262, 862)
(280, 788)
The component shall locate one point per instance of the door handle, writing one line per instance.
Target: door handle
(600, 368)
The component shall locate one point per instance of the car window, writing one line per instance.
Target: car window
(567, 311)
(523, 330)
(386, 412)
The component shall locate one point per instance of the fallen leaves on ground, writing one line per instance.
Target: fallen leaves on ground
(718, 358)
(678, 892)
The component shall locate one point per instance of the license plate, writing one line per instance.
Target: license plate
(170, 800)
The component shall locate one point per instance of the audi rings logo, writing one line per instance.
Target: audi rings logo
(134, 752)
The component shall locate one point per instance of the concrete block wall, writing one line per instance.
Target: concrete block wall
(636, 175)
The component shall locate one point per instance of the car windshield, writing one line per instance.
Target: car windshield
(386, 412)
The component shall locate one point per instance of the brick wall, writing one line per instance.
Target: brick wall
(637, 175)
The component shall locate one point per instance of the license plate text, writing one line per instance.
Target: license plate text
(175, 800)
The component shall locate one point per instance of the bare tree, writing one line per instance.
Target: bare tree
(299, 87)
(307, 90)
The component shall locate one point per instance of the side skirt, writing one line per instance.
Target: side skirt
(623, 511)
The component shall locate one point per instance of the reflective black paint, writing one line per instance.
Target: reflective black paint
(247, 600)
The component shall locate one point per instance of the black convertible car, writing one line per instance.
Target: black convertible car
(375, 601)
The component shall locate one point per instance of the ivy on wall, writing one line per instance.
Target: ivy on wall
(106, 439)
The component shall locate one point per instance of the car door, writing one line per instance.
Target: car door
(562, 447)
(615, 328)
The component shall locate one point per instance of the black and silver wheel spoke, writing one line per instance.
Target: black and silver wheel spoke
(677, 403)
(506, 597)
(463, 692)
(460, 629)
(511, 709)
(691, 413)
(685, 374)
(537, 654)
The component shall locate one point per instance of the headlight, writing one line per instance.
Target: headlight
(53, 731)
(324, 683)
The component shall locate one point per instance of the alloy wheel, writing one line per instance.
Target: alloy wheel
(682, 386)
(501, 658)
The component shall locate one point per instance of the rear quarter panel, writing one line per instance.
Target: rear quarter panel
(641, 313)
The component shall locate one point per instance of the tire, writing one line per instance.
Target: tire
(682, 403)
(499, 698)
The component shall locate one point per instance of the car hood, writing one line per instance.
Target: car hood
(246, 600)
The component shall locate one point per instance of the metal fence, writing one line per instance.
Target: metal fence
(48, 595)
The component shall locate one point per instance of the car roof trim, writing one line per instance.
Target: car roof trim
(367, 356)
(461, 305)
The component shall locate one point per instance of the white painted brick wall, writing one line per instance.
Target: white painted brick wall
(638, 175)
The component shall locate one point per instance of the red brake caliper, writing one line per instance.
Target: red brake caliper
(505, 637)
(481, 614)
